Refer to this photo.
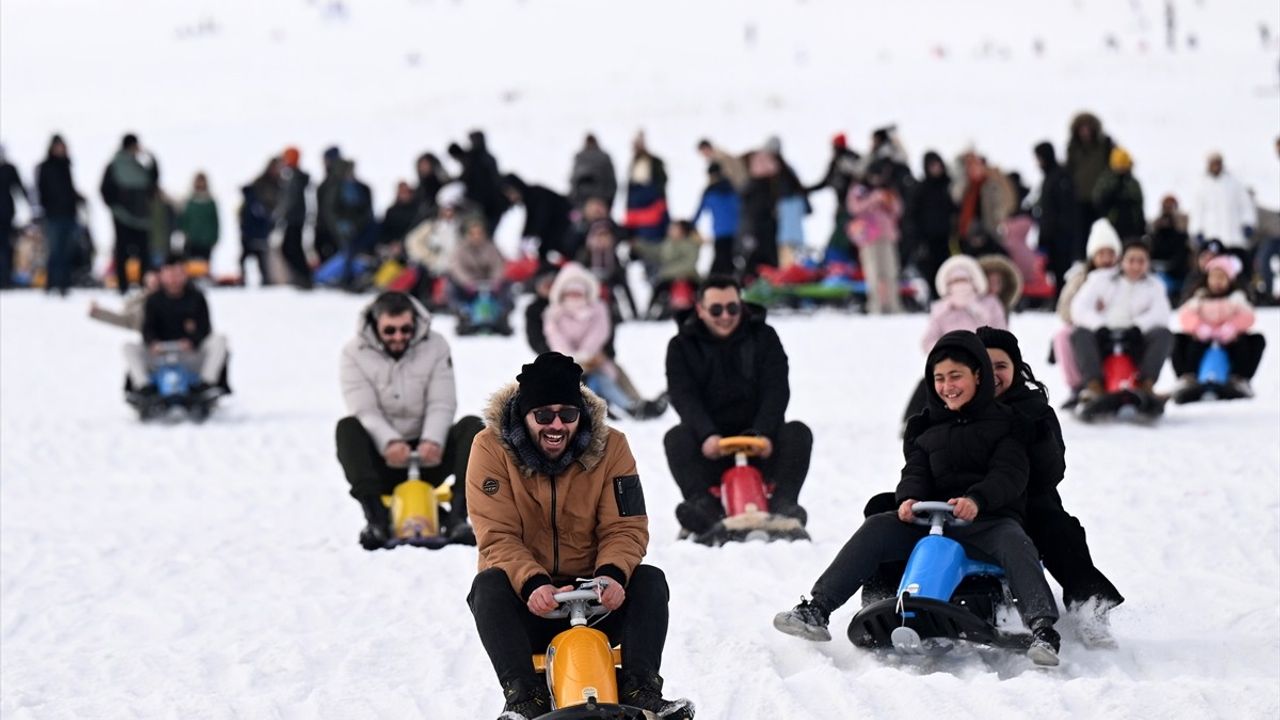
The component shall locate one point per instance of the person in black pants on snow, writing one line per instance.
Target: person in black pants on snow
(1058, 535)
(727, 374)
(969, 451)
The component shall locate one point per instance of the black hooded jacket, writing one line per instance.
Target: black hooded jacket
(931, 212)
(1046, 451)
(731, 385)
(978, 451)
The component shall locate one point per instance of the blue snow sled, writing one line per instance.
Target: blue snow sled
(944, 596)
(175, 384)
(483, 314)
(1215, 366)
(330, 273)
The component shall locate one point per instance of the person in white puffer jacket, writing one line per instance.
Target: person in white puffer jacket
(398, 385)
(1128, 305)
(1223, 210)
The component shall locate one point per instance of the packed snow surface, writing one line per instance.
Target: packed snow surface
(212, 571)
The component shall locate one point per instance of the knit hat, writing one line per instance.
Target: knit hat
(551, 379)
(332, 153)
(291, 156)
(998, 339)
(840, 141)
(1227, 263)
(960, 265)
(1120, 160)
(1102, 235)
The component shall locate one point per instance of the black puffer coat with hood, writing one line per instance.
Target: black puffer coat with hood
(977, 451)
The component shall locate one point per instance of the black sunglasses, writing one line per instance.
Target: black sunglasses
(545, 416)
(392, 330)
(719, 309)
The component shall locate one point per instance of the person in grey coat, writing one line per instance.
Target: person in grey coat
(593, 175)
(398, 385)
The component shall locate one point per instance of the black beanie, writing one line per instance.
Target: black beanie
(997, 339)
(551, 379)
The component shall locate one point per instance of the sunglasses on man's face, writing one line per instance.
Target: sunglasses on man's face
(546, 416)
(718, 309)
(393, 330)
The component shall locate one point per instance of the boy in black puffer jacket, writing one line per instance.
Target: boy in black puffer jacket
(966, 450)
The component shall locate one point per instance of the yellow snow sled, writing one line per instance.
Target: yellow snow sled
(415, 510)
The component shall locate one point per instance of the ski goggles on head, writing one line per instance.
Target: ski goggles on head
(546, 416)
(718, 309)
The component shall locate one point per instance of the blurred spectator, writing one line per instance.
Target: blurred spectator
(722, 202)
(325, 244)
(599, 255)
(592, 175)
(260, 201)
(1088, 154)
(431, 177)
(293, 212)
(346, 210)
(1058, 215)
(931, 216)
(647, 216)
(1118, 197)
(843, 168)
(59, 203)
(481, 178)
(1171, 246)
(732, 167)
(677, 260)
(399, 219)
(876, 209)
(199, 221)
(129, 184)
(477, 269)
(985, 199)
(1224, 211)
(546, 218)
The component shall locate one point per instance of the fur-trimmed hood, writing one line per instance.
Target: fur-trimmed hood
(587, 447)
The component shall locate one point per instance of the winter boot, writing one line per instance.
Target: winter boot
(377, 529)
(789, 508)
(807, 620)
(462, 533)
(526, 700)
(1045, 642)
(698, 514)
(644, 691)
(1189, 390)
(1093, 624)
(1238, 388)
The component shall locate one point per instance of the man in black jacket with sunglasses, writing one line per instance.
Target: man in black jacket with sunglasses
(727, 375)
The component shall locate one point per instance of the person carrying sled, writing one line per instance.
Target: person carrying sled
(397, 382)
(727, 374)
(555, 495)
(178, 312)
(968, 451)
(1128, 306)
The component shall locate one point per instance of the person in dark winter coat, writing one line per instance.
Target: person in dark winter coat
(1088, 154)
(431, 177)
(399, 219)
(1171, 246)
(129, 184)
(481, 178)
(931, 217)
(260, 203)
(968, 451)
(326, 245)
(59, 201)
(727, 374)
(546, 217)
(1118, 197)
(10, 186)
(722, 202)
(1058, 216)
(592, 175)
(346, 210)
(199, 221)
(543, 432)
(843, 170)
(647, 215)
(293, 212)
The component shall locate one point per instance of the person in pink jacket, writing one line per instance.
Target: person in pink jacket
(964, 303)
(875, 210)
(1219, 313)
(577, 323)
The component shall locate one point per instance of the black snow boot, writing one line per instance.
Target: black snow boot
(526, 700)
(1045, 642)
(790, 508)
(698, 514)
(644, 691)
(377, 529)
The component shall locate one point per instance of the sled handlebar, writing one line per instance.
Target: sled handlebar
(577, 605)
(938, 514)
(749, 445)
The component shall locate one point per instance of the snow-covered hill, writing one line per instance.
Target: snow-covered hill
(212, 571)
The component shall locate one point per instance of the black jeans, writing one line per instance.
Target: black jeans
(786, 467)
(1058, 536)
(130, 242)
(511, 634)
(1245, 354)
(295, 257)
(884, 538)
(370, 476)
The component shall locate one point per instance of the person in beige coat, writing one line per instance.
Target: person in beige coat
(555, 495)
(397, 381)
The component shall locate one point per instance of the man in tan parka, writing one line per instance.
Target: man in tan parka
(554, 495)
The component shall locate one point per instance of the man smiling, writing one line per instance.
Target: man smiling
(554, 495)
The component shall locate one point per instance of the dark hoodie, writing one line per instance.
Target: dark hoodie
(977, 451)
(546, 214)
(1057, 214)
(931, 211)
(731, 385)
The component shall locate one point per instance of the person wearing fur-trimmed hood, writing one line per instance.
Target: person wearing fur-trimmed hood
(556, 495)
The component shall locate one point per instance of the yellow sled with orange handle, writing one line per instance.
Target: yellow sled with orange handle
(415, 510)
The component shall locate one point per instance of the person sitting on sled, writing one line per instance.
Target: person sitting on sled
(178, 312)
(397, 381)
(727, 374)
(1125, 305)
(555, 495)
(1217, 312)
(967, 450)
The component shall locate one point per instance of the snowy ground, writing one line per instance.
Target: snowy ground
(182, 571)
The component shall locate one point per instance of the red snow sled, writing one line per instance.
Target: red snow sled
(1123, 399)
(745, 496)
